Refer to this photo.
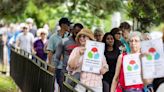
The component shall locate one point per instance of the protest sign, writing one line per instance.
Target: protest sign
(153, 63)
(132, 69)
(93, 55)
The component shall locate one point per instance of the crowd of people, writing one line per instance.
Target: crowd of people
(65, 49)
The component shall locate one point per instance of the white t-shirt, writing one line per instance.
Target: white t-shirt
(26, 41)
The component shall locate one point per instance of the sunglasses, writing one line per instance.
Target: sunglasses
(119, 33)
(24, 27)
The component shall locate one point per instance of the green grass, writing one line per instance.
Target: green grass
(7, 84)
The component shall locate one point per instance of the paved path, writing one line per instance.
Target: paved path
(161, 88)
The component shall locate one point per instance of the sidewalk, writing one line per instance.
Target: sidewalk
(161, 88)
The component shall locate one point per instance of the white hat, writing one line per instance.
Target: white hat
(23, 25)
(29, 20)
(42, 30)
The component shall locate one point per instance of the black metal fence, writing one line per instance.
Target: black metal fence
(31, 74)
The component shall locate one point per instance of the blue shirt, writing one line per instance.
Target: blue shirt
(52, 45)
(126, 44)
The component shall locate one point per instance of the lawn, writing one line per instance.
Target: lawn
(7, 84)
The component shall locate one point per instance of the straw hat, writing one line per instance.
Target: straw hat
(86, 32)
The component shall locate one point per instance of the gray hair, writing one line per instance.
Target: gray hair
(134, 34)
(98, 30)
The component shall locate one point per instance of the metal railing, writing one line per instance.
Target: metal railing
(31, 74)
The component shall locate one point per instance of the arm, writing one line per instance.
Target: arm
(17, 42)
(49, 56)
(32, 44)
(50, 49)
(74, 58)
(116, 76)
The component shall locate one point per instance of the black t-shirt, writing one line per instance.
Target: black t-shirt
(111, 57)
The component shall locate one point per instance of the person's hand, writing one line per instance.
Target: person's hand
(144, 54)
(73, 65)
(103, 70)
(50, 69)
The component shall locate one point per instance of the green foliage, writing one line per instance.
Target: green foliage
(7, 84)
(146, 12)
(89, 12)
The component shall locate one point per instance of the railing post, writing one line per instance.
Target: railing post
(1, 49)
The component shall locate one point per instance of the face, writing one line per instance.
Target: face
(43, 35)
(82, 39)
(110, 40)
(25, 29)
(65, 27)
(118, 35)
(76, 30)
(134, 44)
(98, 36)
(126, 33)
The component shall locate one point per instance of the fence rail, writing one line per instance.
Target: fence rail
(31, 73)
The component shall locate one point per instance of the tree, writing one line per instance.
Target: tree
(146, 13)
(90, 12)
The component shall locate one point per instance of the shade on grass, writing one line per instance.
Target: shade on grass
(7, 84)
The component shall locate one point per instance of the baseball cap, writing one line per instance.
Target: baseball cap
(64, 20)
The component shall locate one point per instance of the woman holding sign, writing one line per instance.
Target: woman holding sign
(76, 59)
(118, 84)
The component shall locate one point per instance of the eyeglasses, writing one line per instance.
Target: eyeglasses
(134, 41)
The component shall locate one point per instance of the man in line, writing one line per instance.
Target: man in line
(64, 24)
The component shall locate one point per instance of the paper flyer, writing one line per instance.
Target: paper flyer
(153, 63)
(93, 54)
(132, 69)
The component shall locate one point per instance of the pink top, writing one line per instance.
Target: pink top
(121, 78)
(87, 78)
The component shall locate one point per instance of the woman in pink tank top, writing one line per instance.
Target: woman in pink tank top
(118, 84)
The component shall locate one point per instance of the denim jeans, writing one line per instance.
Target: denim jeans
(60, 78)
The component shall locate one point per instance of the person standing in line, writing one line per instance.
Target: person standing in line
(117, 34)
(65, 48)
(32, 26)
(98, 34)
(111, 53)
(25, 40)
(92, 80)
(40, 43)
(53, 42)
(118, 83)
(126, 29)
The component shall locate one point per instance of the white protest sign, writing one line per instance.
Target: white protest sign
(153, 63)
(132, 69)
(93, 55)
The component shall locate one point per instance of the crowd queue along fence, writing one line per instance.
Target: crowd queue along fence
(31, 74)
